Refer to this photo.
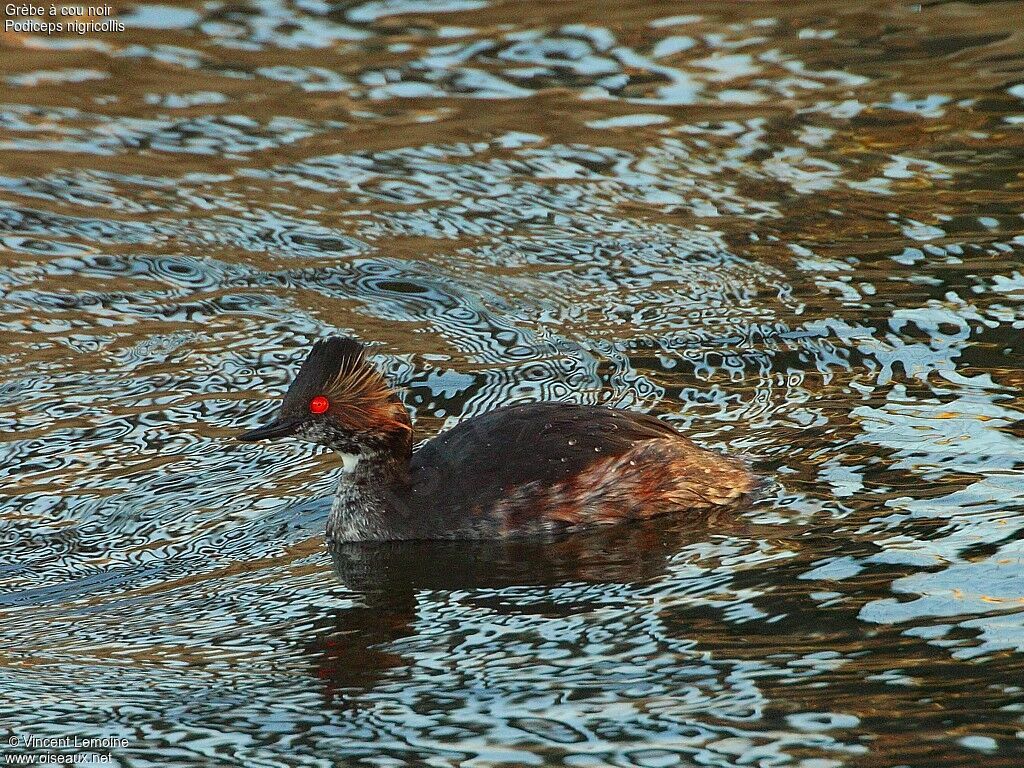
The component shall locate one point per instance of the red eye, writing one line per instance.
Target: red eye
(319, 404)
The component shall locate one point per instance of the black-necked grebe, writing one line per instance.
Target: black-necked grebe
(515, 471)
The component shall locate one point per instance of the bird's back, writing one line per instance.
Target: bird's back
(547, 467)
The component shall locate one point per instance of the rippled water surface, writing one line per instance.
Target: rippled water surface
(794, 231)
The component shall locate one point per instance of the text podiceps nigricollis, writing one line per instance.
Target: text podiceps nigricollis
(515, 471)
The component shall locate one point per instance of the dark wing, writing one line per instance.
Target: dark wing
(482, 459)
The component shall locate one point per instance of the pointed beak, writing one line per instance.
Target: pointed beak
(282, 427)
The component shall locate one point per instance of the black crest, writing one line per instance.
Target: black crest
(358, 397)
(331, 361)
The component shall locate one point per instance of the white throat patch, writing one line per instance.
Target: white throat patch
(348, 462)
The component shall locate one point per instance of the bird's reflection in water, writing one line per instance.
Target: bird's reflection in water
(352, 645)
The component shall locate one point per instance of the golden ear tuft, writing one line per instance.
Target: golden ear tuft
(358, 381)
(359, 397)
(365, 399)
